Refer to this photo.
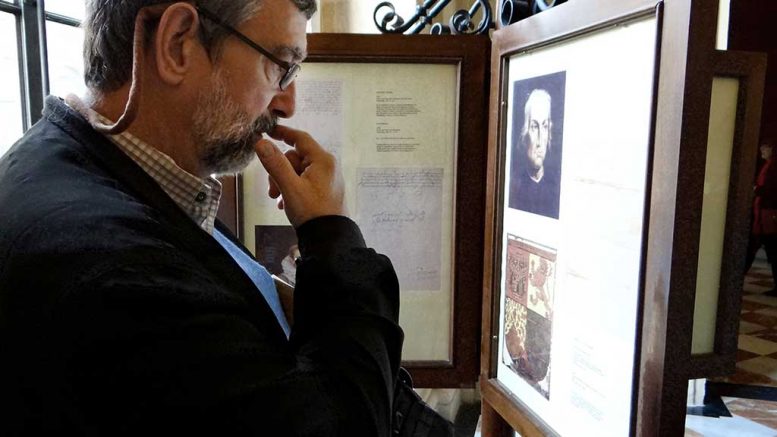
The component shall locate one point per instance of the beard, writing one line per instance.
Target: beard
(225, 133)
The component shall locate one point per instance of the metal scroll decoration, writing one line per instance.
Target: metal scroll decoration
(511, 11)
(462, 21)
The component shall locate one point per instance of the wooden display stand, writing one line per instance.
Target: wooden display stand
(635, 161)
(665, 265)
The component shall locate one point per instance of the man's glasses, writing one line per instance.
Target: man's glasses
(292, 69)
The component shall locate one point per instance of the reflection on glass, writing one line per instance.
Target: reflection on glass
(10, 97)
(69, 8)
(66, 67)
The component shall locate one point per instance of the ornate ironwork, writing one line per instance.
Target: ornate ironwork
(462, 21)
(511, 11)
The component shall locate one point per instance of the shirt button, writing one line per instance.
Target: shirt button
(200, 197)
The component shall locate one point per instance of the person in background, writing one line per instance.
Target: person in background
(126, 308)
(764, 223)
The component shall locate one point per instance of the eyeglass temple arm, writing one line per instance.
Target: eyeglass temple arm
(209, 15)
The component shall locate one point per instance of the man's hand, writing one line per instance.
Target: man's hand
(306, 180)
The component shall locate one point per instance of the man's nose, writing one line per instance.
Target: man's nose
(543, 138)
(284, 103)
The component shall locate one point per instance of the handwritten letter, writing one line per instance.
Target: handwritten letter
(399, 212)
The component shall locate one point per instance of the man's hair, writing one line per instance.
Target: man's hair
(109, 31)
(534, 97)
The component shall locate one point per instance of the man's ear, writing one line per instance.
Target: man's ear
(175, 42)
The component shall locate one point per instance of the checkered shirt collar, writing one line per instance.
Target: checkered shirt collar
(198, 197)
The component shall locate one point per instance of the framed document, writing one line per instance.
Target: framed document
(576, 144)
(735, 109)
(404, 116)
(598, 125)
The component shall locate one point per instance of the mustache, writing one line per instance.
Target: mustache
(264, 124)
(233, 152)
(244, 138)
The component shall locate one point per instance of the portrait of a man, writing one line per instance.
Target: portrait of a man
(535, 166)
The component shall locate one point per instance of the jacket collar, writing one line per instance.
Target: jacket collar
(185, 233)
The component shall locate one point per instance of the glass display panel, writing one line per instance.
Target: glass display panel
(717, 174)
(577, 130)
(394, 130)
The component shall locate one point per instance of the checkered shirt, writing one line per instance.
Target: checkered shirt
(199, 198)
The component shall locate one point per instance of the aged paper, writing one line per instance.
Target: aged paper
(396, 205)
(320, 110)
(393, 128)
(392, 108)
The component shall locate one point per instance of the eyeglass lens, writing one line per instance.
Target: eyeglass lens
(290, 75)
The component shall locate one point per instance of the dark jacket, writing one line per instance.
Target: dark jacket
(119, 315)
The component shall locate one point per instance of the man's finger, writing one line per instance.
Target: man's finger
(273, 191)
(277, 165)
(296, 161)
(300, 140)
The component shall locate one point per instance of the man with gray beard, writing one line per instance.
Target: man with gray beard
(534, 186)
(126, 307)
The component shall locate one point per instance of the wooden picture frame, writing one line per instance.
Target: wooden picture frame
(685, 59)
(469, 55)
(718, 358)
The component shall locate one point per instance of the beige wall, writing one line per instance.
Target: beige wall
(355, 16)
